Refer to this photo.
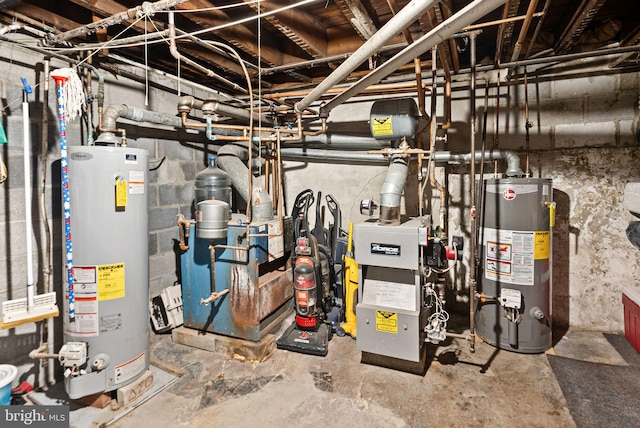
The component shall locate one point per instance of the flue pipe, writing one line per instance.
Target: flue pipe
(399, 22)
(469, 14)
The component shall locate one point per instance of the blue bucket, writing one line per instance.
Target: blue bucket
(7, 374)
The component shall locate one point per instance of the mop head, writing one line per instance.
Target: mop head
(16, 312)
(74, 97)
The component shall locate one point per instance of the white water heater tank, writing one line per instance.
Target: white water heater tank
(109, 227)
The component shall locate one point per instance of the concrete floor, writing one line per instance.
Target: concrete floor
(487, 388)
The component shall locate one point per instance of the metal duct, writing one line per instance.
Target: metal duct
(440, 33)
(391, 191)
(410, 13)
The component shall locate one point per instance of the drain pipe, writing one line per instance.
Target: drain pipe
(469, 14)
(405, 17)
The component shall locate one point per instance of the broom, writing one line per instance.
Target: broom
(33, 308)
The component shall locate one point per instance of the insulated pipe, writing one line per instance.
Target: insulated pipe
(114, 111)
(512, 158)
(233, 160)
(391, 191)
(214, 105)
(440, 33)
(405, 17)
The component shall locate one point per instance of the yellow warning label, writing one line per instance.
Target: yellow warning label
(111, 281)
(387, 321)
(121, 192)
(541, 245)
(382, 126)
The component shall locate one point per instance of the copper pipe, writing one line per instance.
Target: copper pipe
(524, 30)
(373, 88)
(184, 227)
(500, 21)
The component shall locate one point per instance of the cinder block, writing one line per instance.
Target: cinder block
(174, 151)
(172, 194)
(554, 112)
(585, 135)
(577, 87)
(167, 238)
(628, 132)
(163, 264)
(611, 107)
(162, 218)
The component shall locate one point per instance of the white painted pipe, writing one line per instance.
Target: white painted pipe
(26, 141)
(399, 22)
(466, 16)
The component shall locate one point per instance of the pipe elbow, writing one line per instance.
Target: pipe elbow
(111, 114)
(513, 164)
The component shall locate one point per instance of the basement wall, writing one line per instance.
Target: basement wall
(584, 138)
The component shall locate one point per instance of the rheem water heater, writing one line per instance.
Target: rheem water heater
(514, 281)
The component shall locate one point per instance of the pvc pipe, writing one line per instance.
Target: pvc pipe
(410, 13)
(469, 14)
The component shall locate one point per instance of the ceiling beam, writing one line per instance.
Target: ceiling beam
(358, 16)
(300, 27)
(582, 17)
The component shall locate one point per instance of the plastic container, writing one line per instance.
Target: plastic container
(213, 184)
(7, 374)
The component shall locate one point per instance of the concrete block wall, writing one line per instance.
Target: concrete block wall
(174, 159)
(584, 138)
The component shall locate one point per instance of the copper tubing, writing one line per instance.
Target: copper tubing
(184, 227)
(373, 88)
(500, 21)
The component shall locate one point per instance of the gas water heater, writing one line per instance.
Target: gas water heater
(514, 281)
(106, 343)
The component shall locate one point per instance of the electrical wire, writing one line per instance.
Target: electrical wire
(437, 321)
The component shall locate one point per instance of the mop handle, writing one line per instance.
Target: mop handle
(60, 81)
(26, 141)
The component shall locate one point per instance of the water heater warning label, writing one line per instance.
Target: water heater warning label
(509, 255)
(111, 281)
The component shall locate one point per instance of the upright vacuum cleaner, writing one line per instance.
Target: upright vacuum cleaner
(310, 332)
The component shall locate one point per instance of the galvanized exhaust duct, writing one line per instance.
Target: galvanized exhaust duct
(391, 191)
(410, 13)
